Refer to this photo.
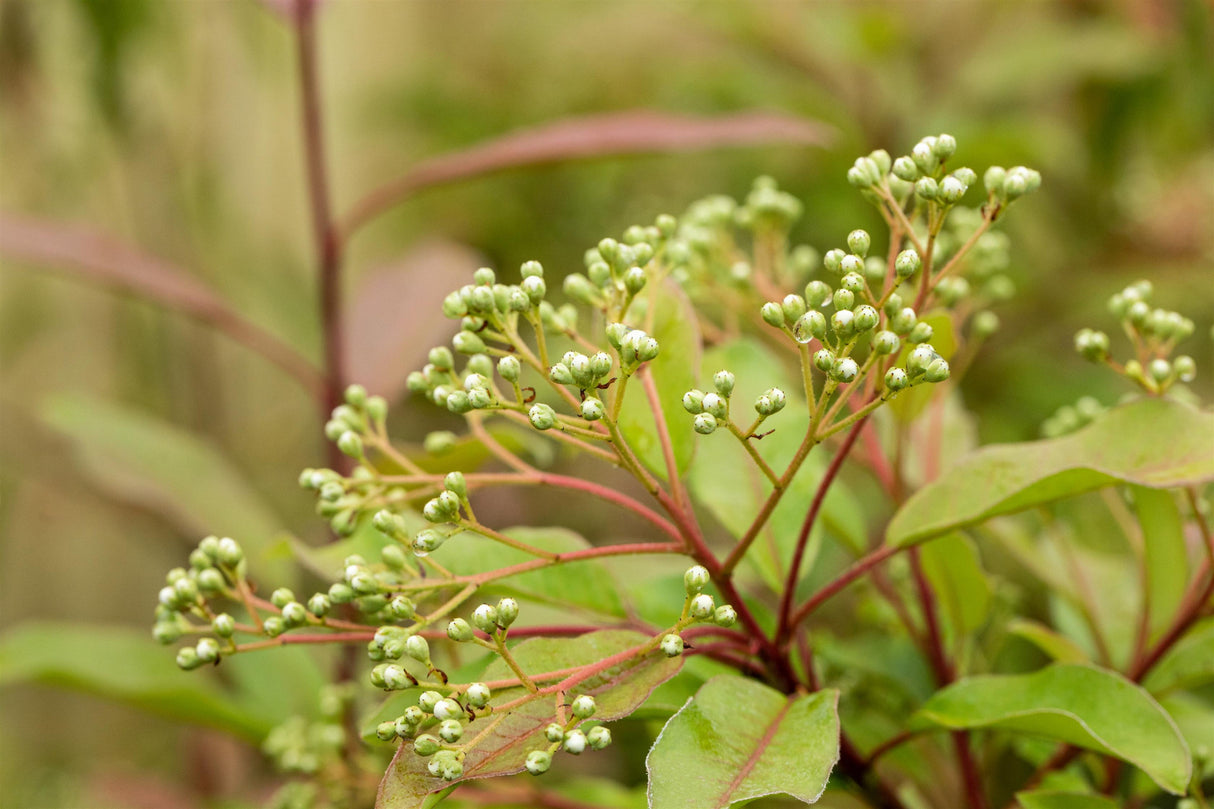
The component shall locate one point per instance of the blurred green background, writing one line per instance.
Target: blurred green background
(129, 431)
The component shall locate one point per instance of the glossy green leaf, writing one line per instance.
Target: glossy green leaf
(1167, 561)
(958, 580)
(125, 665)
(671, 320)
(1148, 442)
(1082, 705)
(1044, 799)
(737, 740)
(736, 498)
(142, 460)
(1190, 664)
(618, 692)
(1058, 647)
(587, 585)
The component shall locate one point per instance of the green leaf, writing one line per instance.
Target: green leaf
(145, 461)
(1082, 705)
(956, 575)
(1190, 664)
(735, 498)
(618, 692)
(124, 665)
(738, 739)
(585, 585)
(1063, 800)
(1167, 561)
(1059, 647)
(1148, 442)
(671, 320)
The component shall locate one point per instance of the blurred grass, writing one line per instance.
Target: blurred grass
(174, 126)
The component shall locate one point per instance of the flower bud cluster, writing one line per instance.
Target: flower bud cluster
(634, 346)
(215, 565)
(712, 408)
(1154, 332)
(304, 747)
(1069, 418)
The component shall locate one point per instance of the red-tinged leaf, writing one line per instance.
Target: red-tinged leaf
(618, 691)
(395, 315)
(592, 136)
(101, 259)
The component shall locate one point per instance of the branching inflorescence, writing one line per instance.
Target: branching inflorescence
(597, 373)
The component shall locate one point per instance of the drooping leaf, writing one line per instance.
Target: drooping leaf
(585, 585)
(618, 691)
(125, 665)
(1167, 561)
(1190, 663)
(958, 580)
(736, 498)
(100, 259)
(1148, 442)
(1043, 799)
(1058, 647)
(591, 136)
(1082, 705)
(671, 320)
(147, 462)
(737, 740)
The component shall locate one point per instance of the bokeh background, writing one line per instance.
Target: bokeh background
(127, 430)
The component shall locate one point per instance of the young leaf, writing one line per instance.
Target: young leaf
(1059, 647)
(672, 322)
(124, 665)
(618, 691)
(1167, 561)
(737, 740)
(143, 460)
(955, 572)
(1063, 800)
(1190, 664)
(1082, 705)
(1148, 442)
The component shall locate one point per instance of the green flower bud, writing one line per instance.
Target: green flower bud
(584, 706)
(187, 591)
(294, 614)
(937, 371)
(281, 597)
(851, 264)
(896, 379)
(704, 423)
(693, 401)
(843, 299)
(1159, 369)
(187, 659)
(905, 169)
(702, 607)
(211, 581)
(273, 626)
(447, 709)
(1092, 345)
(454, 482)
(593, 409)
(459, 630)
(853, 282)
(810, 325)
(364, 584)
(401, 608)
(723, 381)
(341, 593)
(927, 188)
(907, 263)
(858, 241)
(417, 648)
(579, 288)
(843, 322)
(207, 650)
(716, 405)
(874, 271)
(634, 280)
(615, 334)
(984, 324)
(484, 618)
(903, 321)
(377, 408)
(920, 359)
(1185, 368)
(672, 645)
(454, 306)
(426, 745)
(647, 349)
(844, 370)
(439, 442)
(832, 262)
(478, 695)
(542, 416)
(951, 190)
(575, 742)
(538, 762)
(450, 731)
(507, 611)
(534, 288)
(350, 444)
(531, 269)
(921, 333)
(817, 293)
(468, 343)
(385, 731)
(994, 179)
(554, 732)
(320, 604)
(168, 632)
(484, 277)
(824, 359)
(725, 616)
(695, 579)
(772, 314)
(427, 541)
(199, 560)
(598, 737)
(886, 342)
(441, 358)
(866, 317)
(393, 556)
(229, 553)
